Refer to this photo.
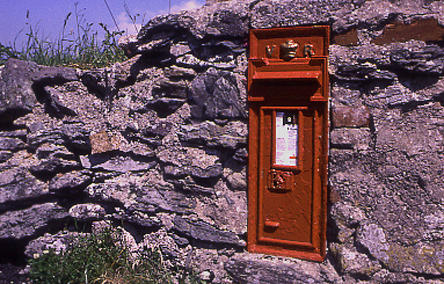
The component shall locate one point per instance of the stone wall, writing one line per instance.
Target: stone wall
(157, 145)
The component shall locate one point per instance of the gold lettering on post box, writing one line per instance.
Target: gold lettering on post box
(269, 50)
(309, 50)
(289, 49)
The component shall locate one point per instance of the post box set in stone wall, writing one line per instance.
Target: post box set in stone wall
(251, 141)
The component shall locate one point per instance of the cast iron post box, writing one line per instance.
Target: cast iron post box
(288, 140)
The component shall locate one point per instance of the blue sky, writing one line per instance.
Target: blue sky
(48, 15)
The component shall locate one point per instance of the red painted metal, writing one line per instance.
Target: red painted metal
(288, 200)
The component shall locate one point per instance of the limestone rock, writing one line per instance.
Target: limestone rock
(363, 73)
(138, 219)
(98, 82)
(214, 209)
(128, 44)
(355, 263)
(153, 201)
(76, 136)
(5, 155)
(345, 116)
(49, 151)
(173, 157)
(40, 133)
(50, 167)
(117, 162)
(211, 172)
(249, 268)
(347, 214)
(241, 155)
(267, 14)
(16, 94)
(11, 144)
(419, 258)
(21, 79)
(215, 94)
(157, 131)
(173, 89)
(227, 19)
(237, 181)
(185, 161)
(17, 184)
(116, 190)
(201, 231)
(27, 222)
(187, 184)
(50, 75)
(70, 182)
(422, 258)
(231, 135)
(87, 212)
(19, 133)
(374, 240)
(160, 196)
(429, 60)
(102, 142)
(359, 139)
(165, 106)
(175, 73)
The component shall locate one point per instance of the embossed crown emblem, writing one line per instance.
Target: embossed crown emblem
(289, 49)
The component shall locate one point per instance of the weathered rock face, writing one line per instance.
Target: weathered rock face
(159, 143)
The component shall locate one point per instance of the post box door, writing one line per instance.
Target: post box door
(290, 190)
(286, 170)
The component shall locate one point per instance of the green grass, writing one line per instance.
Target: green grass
(79, 47)
(103, 258)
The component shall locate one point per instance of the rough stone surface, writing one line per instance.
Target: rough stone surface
(352, 262)
(117, 162)
(11, 144)
(345, 116)
(358, 139)
(254, 269)
(158, 144)
(237, 181)
(30, 221)
(58, 243)
(216, 94)
(70, 181)
(201, 231)
(16, 92)
(231, 136)
(17, 184)
(87, 212)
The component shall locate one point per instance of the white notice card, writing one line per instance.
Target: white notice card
(286, 139)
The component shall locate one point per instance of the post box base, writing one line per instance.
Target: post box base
(307, 255)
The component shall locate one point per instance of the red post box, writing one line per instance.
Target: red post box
(288, 140)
